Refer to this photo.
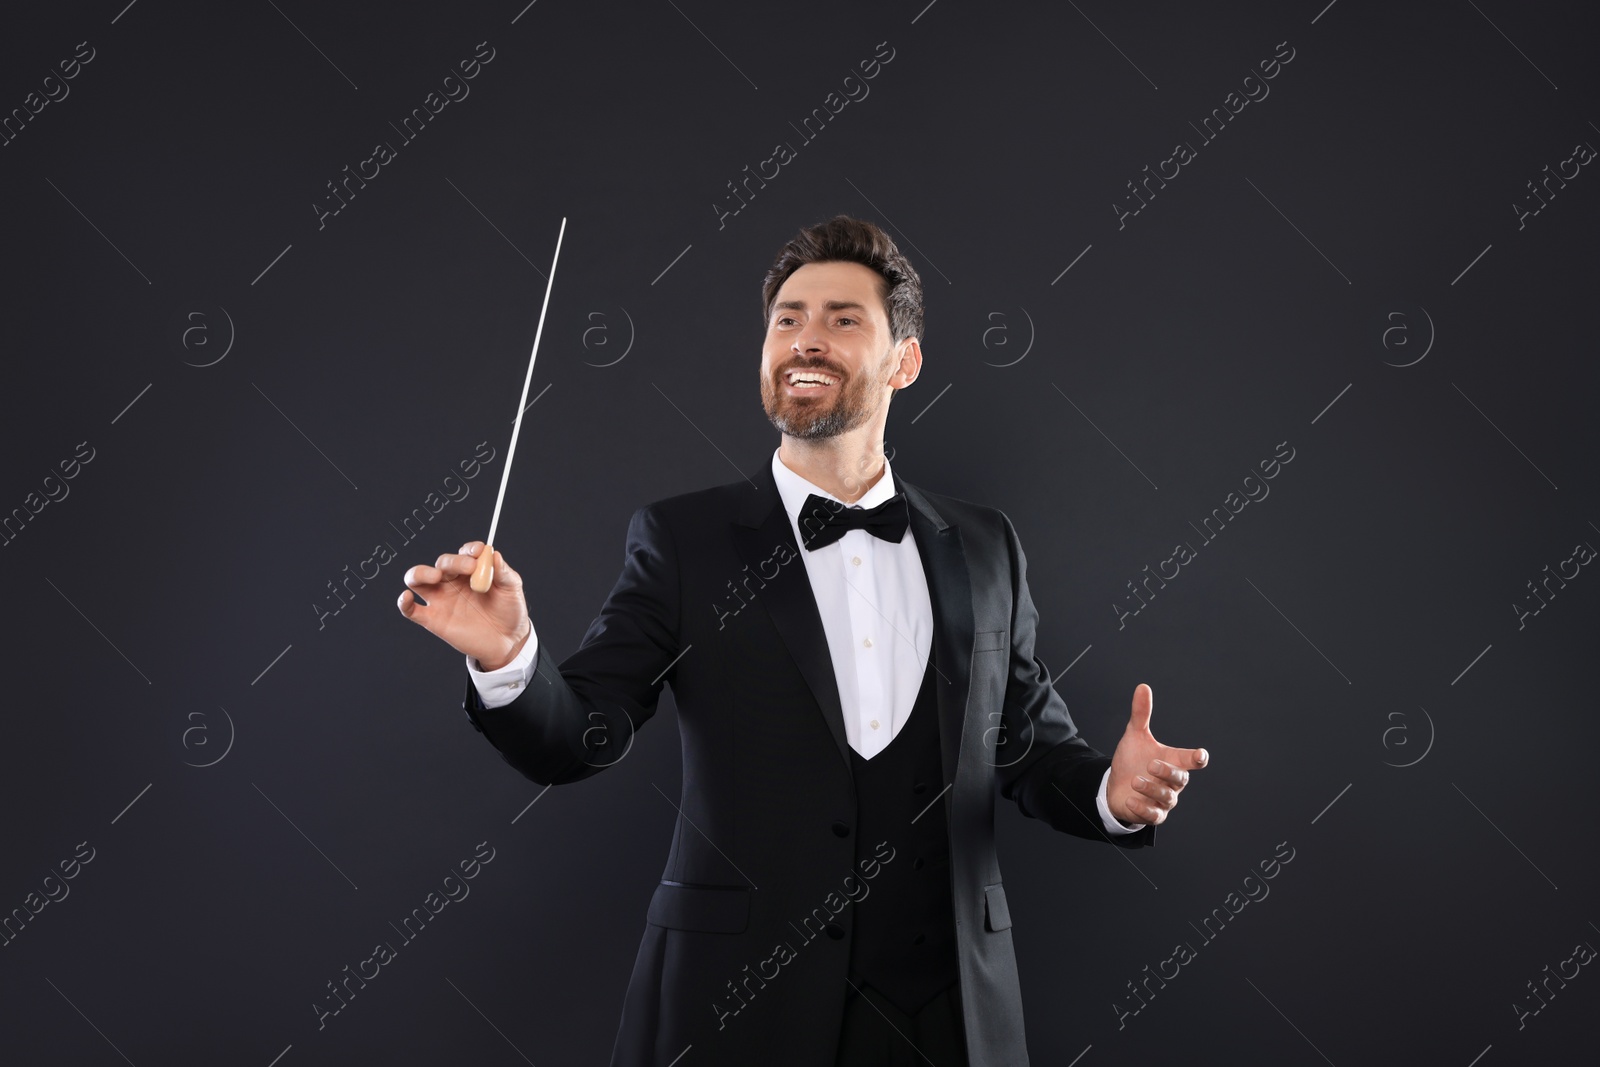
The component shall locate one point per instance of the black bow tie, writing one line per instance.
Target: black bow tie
(823, 521)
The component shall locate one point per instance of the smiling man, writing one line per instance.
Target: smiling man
(832, 895)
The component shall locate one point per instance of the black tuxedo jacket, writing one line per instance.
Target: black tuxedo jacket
(746, 945)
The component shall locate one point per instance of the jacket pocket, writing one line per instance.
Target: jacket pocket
(998, 916)
(989, 641)
(710, 909)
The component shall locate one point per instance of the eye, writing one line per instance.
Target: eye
(783, 319)
(846, 318)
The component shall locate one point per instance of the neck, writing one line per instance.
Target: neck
(846, 466)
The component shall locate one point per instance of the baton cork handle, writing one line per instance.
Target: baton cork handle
(483, 573)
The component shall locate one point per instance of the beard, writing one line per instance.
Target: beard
(832, 411)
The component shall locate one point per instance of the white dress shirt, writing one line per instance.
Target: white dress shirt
(876, 613)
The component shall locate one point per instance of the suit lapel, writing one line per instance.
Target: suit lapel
(762, 522)
(944, 561)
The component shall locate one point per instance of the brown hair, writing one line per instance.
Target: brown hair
(848, 240)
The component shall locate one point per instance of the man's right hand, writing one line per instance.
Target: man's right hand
(490, 627)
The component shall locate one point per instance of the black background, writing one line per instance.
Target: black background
(1361, 617)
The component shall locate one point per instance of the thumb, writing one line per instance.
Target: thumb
(1143, 697)
(504, 573)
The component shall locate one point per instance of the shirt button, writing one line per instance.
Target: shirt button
(856, 560)
(874, 724)
(867, 641)
(515, 685)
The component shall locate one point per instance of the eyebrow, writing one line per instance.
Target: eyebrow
(828, 305)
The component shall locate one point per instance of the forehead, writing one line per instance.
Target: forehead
(816, 283)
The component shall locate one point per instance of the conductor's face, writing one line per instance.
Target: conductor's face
(828, 320)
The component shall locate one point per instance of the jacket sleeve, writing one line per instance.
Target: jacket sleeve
(577, 718)
(1059, 775)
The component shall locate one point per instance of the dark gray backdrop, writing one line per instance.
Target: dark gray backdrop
(251, 396)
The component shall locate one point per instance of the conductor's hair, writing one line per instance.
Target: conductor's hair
(848, 240)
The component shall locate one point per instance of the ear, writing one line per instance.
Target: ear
(909, 355)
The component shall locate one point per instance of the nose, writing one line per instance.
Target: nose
(811, 343)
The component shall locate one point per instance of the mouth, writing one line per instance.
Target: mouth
(808, 381)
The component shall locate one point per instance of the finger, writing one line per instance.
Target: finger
(1163, 796)
(1170, 773)
(1146, 812)
(1181, 759)
(1143, 697)
(423, 577)
(453, 564)
(414, 610)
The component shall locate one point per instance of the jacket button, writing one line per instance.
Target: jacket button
(919, 788)
(835, 931)
(917, 865)
(920, 938)
(841, 830)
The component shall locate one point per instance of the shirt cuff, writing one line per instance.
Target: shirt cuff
(499, 688)
(1113, 825)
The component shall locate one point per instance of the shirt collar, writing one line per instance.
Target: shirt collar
(794, 489)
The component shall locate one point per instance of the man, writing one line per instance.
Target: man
(853, 664)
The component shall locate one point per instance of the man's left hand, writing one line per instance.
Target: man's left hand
(1147, 776)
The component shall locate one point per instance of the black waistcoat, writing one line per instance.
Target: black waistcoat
(904, 944)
